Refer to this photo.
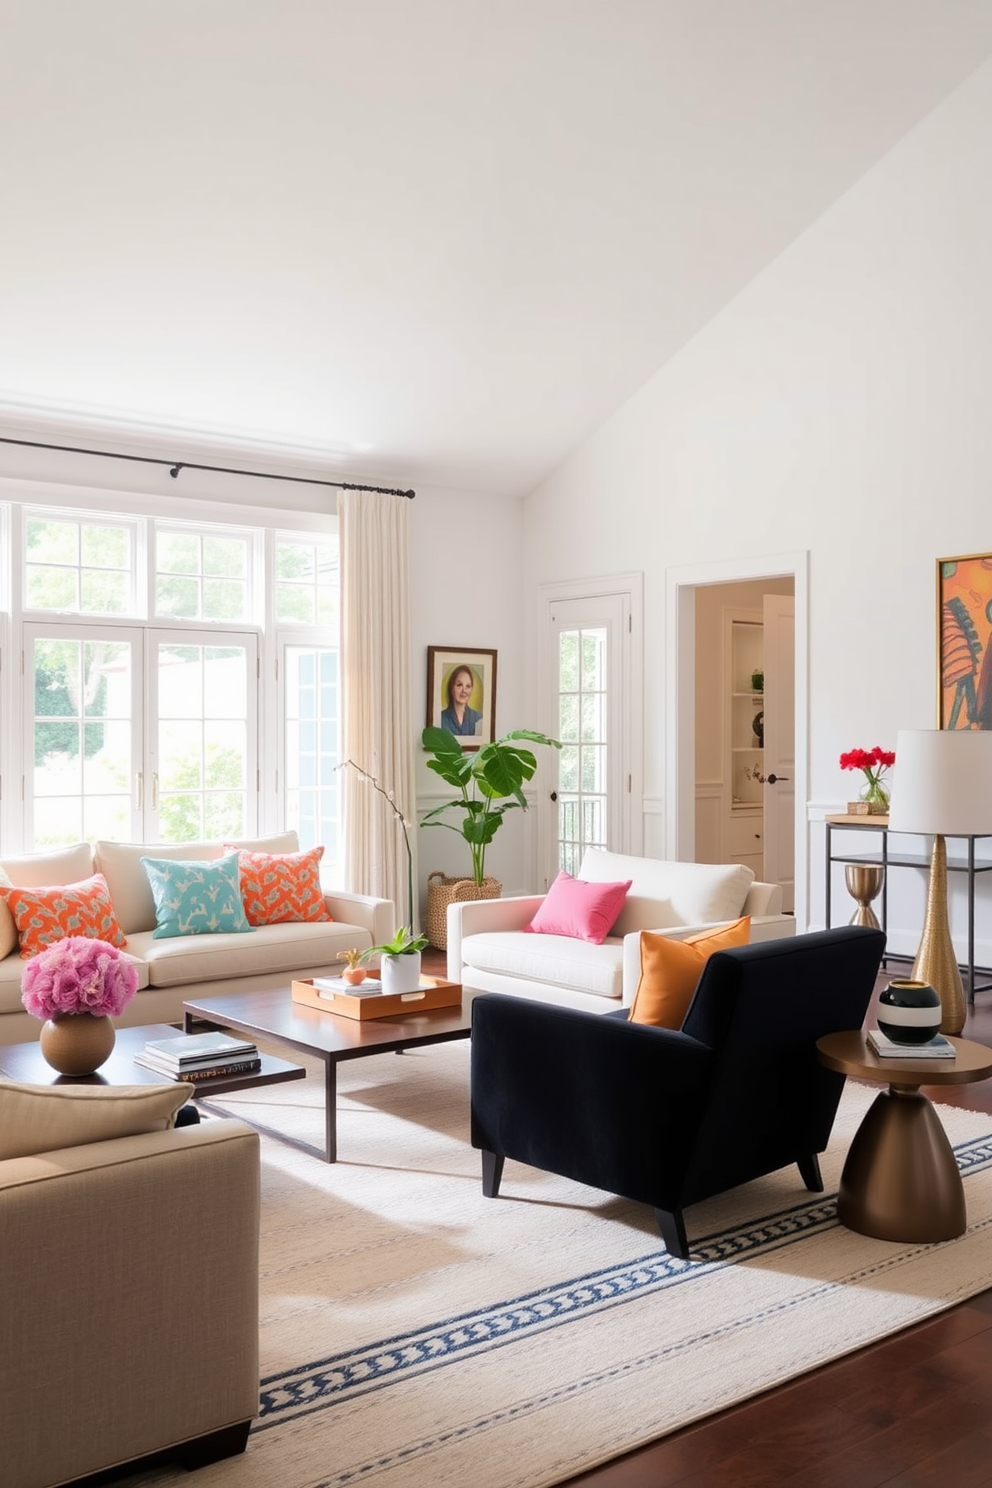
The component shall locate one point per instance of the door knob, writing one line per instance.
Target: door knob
(773, 779)
(554, 795)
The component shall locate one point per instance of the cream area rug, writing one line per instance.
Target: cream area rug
(414, 1333)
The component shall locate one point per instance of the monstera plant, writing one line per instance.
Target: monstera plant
(489, 784)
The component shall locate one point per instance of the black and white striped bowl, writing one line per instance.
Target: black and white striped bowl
(909, 1012)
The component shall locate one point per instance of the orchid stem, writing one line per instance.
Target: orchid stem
(388, 797)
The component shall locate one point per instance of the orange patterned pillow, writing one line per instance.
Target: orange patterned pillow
(43, 916)
(277, 888)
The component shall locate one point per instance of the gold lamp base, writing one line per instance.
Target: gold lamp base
(936, 961)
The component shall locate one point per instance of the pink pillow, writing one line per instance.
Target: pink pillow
(584, 911)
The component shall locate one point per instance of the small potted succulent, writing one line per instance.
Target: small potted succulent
(400, 965)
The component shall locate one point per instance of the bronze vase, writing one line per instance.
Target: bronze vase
(77, 1043)
(864, 883)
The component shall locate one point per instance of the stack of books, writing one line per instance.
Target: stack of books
(936, 1048)
(200, 1056)
(338, 987)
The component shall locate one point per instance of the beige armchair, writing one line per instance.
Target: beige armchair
(128, 1301)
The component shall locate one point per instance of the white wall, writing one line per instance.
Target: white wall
(466, 590)
(838, 406)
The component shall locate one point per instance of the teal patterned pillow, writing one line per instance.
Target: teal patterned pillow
(194, 898)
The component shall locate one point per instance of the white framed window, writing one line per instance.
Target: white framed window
(139, 708)
(203, 709)
(83, 565)
(311, 744)
(202, 574)
(139, 734)
(82, 732)
(306, 588)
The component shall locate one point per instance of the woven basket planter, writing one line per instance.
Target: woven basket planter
(442, 891)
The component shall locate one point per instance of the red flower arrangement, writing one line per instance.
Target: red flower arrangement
(874, 763)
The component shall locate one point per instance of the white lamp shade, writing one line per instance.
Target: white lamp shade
(942, 783)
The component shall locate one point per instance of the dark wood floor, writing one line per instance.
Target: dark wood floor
(914, 1411)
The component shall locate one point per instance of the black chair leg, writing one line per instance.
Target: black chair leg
(672, 1227)
(213, 1447)
(809, 1172)
(492, 1172)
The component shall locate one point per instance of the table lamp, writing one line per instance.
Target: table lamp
(942, 787)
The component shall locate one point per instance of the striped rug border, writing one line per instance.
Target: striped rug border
(325, 1383)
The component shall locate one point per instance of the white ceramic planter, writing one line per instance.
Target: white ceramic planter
(400, 973)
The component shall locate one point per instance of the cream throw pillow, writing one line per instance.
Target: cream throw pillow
(8, 930)
(42, 1118)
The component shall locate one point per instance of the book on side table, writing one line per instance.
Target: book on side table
(936, 1048)
(200, 1056)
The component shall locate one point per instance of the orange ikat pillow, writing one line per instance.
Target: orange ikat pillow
(281, 888)
(45, 915)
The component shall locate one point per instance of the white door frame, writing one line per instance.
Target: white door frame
(680, 698)
(631, 585)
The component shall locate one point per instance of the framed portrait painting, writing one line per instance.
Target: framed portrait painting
(964, 629)
(461, 693)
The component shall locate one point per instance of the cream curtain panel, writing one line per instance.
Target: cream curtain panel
(377, 716)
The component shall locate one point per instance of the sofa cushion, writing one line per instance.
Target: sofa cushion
(43, 1118)
(196, 898)
(12, 971)
(120, 864)
(664, 894)
(670, 970)
(62, 865)
(8, 930)
(268, 949)
(46, 915)
(583, 911)
(557, 959)
(36, 870)
(282, 888)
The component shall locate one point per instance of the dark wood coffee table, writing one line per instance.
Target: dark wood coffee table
(329, 1037)
(24, 1062)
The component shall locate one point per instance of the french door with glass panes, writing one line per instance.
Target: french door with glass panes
(310, 747)
(142, 735)
(587, 642)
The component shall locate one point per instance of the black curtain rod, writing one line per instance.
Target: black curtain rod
(174, 467)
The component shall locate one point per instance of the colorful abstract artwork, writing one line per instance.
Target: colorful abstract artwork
(964, 603)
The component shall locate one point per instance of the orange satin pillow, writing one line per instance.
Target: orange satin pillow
(670, 970)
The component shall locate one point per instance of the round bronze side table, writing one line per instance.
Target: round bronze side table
(900, 1180)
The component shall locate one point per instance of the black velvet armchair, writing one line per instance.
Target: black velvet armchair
(669, 1118)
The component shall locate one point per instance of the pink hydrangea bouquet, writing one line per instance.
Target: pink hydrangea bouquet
(78, 975)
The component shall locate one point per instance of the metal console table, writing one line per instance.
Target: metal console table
(969, 864)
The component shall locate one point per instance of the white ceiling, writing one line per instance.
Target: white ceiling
(435, 241)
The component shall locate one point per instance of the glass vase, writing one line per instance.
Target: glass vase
(875, 796)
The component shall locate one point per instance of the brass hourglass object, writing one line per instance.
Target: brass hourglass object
(864, 883)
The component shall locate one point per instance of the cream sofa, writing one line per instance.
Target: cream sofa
(489, 949)
(129, 1289)
(171, 970)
